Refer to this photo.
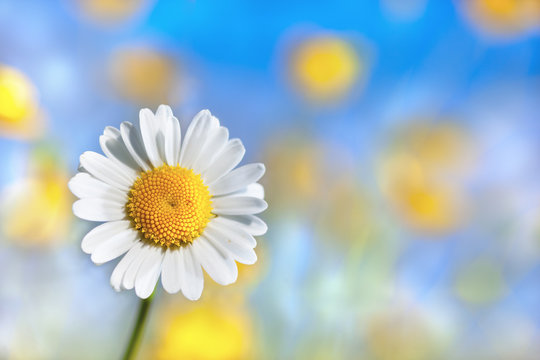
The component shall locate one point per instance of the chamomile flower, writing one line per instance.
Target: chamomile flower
(170, 206)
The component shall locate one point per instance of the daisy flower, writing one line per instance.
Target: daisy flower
(170, 206)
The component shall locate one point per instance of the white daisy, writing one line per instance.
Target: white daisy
(172, 208)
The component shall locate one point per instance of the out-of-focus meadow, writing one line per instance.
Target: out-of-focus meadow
(402, 144)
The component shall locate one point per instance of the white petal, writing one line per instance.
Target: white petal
(232, 242)
(106, 170)
(150, 131)
(112, 132)
(84, 185)
(249, 223)
(95, 209)
(192, 276)
(217, 264)
(120, 269)
(225, 161)
(173, 141)
(148, 273)
(237, 179)
(113, 146)
(115, 246)
(171, 272)
(132, 140)
(228, 229)
(238, 205)
(102, 233)
(197, 135)
(164, 112)
(253, 190)
(128, 281)
(217, 140)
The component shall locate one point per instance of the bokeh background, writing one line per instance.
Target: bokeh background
(402, 144)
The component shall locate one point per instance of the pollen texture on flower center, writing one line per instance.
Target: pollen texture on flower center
(170, 205)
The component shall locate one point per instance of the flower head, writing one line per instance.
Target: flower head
(36, 209)
(20, 113)
(504, 17)
(186, 333)
(325, 68)
(172, 207)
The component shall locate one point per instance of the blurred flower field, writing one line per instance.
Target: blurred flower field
(401, 140)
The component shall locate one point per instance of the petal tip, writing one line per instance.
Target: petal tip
(71, 184)
(145, 114)
(142, 294)
(264, 205)
(192, 297)
(75, 208)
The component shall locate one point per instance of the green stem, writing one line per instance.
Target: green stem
(138, 328)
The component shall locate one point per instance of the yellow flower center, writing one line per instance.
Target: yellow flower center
(170, 205)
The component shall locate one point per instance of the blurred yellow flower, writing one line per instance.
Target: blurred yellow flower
(325, 67)
(145, 76)
(421, 175)
(423, 203)
(19, 111)
(296, 175)
(504, 16)
(205, 332)
(437, 146)
(110, 11)
(37, 210)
